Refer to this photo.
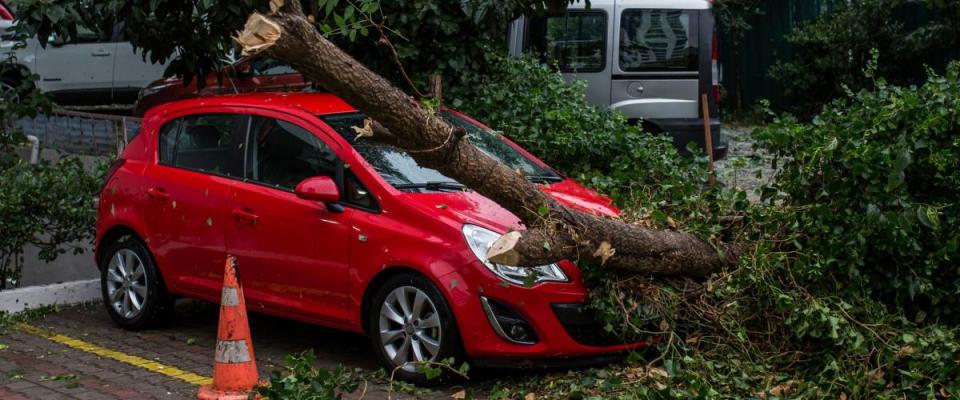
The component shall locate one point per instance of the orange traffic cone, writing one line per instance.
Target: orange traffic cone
(234, 368)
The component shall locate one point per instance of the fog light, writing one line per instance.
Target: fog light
(507, 322)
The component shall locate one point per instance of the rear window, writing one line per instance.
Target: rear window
(575, 40)
(211, 143)
(658, 40)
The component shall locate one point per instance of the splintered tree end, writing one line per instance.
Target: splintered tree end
(502, 251)
(259, 33)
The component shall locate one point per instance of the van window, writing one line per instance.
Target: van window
(658, 40)
(576, 40)
(210, 143)
(283, 154)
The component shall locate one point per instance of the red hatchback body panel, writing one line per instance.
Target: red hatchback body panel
(302, 260)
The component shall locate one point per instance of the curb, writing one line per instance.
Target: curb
(17, 300)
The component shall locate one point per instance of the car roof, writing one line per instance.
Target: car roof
(313, 103)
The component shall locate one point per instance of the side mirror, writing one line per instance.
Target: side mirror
(318, 188)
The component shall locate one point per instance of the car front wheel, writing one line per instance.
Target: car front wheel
(412, 326)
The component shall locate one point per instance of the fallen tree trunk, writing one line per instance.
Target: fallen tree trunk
(553, 232)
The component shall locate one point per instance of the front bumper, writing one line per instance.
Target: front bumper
(565, 334)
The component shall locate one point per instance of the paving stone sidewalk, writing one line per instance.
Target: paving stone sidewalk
(34, 367)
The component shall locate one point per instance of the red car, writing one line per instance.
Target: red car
(258, 74)
(335, 231)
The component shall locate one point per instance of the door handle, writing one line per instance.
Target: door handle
(245, 214)
(100, 53)
(158, 193)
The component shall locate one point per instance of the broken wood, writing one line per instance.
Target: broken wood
(558, 233)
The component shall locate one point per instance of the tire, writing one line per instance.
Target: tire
(429, 333)
(141, 284)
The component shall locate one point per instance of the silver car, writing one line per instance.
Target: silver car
(650, 59)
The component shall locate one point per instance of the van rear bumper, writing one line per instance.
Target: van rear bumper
(686, 130)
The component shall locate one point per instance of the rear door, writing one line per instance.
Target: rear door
(656, 63)
(200, 158)
(577, 40)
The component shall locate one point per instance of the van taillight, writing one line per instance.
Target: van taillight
(114, 167)
(715, 67)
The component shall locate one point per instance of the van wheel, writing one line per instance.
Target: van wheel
(132, 288)
(410, 323)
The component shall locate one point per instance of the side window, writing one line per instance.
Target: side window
(168, 140)
(356, 194)
(283, 154)
(210, 143)
(576, 40)
(658, 40)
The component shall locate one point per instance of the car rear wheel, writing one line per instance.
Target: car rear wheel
(133, 291)
(410, 324)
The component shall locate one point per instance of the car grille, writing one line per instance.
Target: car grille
(582, 327)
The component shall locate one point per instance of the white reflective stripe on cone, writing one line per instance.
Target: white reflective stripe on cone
(229, 297)
(232, 351)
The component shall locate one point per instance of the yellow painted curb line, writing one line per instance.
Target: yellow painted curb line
(135, 361)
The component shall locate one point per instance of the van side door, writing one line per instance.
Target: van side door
(578, 41)
(656, 71)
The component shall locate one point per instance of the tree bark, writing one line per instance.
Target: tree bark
(553, 233)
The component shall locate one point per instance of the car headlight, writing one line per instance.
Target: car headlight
(480, 239)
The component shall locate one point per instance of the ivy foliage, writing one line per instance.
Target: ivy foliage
(47, 205)
(829, 52)
(877, 175)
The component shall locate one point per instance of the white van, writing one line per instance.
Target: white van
(96, 68)
(650, 59)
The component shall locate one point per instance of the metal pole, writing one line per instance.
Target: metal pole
(709, 138)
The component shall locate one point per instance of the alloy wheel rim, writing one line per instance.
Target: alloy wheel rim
(410, 330)
(126, 283)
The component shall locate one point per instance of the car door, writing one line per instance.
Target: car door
(293, 253)
(200, 158)
(79, 71)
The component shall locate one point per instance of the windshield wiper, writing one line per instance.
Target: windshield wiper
(433, 185)
(544, 178)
